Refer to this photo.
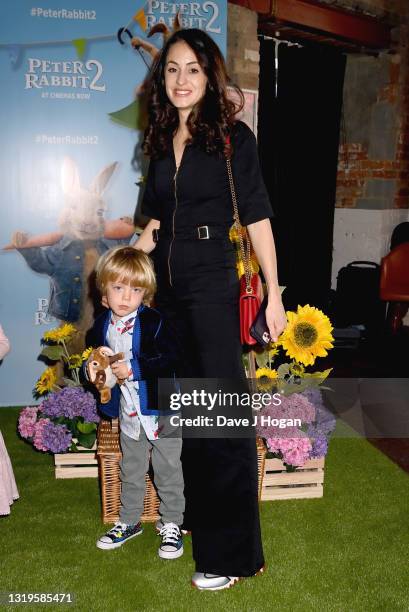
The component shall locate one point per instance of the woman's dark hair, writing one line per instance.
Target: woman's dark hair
(210, 120)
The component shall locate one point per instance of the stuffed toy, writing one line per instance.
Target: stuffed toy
(100, 373)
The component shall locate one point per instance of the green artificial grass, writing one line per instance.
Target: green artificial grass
(345, 552)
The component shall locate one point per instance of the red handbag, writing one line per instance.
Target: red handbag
(249, 304)
(250, 283)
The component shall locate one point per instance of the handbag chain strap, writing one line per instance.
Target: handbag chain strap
(245, 251)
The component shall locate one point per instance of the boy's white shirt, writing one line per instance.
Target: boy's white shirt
(129, 403)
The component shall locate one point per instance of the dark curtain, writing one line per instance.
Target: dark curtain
(298, 135)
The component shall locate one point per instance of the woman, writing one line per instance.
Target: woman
(191, 129)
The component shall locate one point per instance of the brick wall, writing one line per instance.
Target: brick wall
(374, 151)
(373, 172)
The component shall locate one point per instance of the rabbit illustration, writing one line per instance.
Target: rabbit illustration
(70, 262)
(134, 114)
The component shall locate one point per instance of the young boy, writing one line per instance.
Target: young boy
(126, 280)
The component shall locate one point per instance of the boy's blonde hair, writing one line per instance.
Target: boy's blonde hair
(124, 264)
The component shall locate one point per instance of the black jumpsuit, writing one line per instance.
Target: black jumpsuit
(198, 291)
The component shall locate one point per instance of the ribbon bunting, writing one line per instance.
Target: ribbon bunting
(140, 18)
(80, 45)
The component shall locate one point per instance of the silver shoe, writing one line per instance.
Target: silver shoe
(211, 582)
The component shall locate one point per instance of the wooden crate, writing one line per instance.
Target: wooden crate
(81, 464)
(306, 482)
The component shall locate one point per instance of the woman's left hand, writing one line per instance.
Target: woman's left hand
(276, 318)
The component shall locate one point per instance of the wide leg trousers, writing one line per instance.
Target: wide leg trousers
(198, 293)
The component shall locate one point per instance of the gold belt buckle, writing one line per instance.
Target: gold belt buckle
(205, 229)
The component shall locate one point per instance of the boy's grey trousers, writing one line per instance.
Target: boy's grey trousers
(168, 477)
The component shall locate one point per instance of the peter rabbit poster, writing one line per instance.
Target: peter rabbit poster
(71, 166)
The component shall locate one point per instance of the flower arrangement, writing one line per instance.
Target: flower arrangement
(308, 423)
(295, 445)
(67, 416)
(56, 343)
(298, 427)
(63, 420)
(306, 337)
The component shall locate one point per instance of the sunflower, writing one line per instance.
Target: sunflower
(59, 334)
(266, 377)
(75, 361)
(297, 369)
(86, 353)
(47, 381)
(307, 335)
(273, 350)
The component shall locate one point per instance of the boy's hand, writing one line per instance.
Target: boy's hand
(120, 369)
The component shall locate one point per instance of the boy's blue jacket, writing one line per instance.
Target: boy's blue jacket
(155, 354)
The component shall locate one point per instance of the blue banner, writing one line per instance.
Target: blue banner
(70, 160)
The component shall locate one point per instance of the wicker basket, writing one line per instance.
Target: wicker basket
(109, 454)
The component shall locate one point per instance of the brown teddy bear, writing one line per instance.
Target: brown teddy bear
(100, 373)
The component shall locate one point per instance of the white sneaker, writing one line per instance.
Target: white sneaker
(172, 542)
(118, 535)
(159, 524)
(212, 582)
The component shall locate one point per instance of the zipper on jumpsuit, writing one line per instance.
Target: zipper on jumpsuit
(173, 221)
